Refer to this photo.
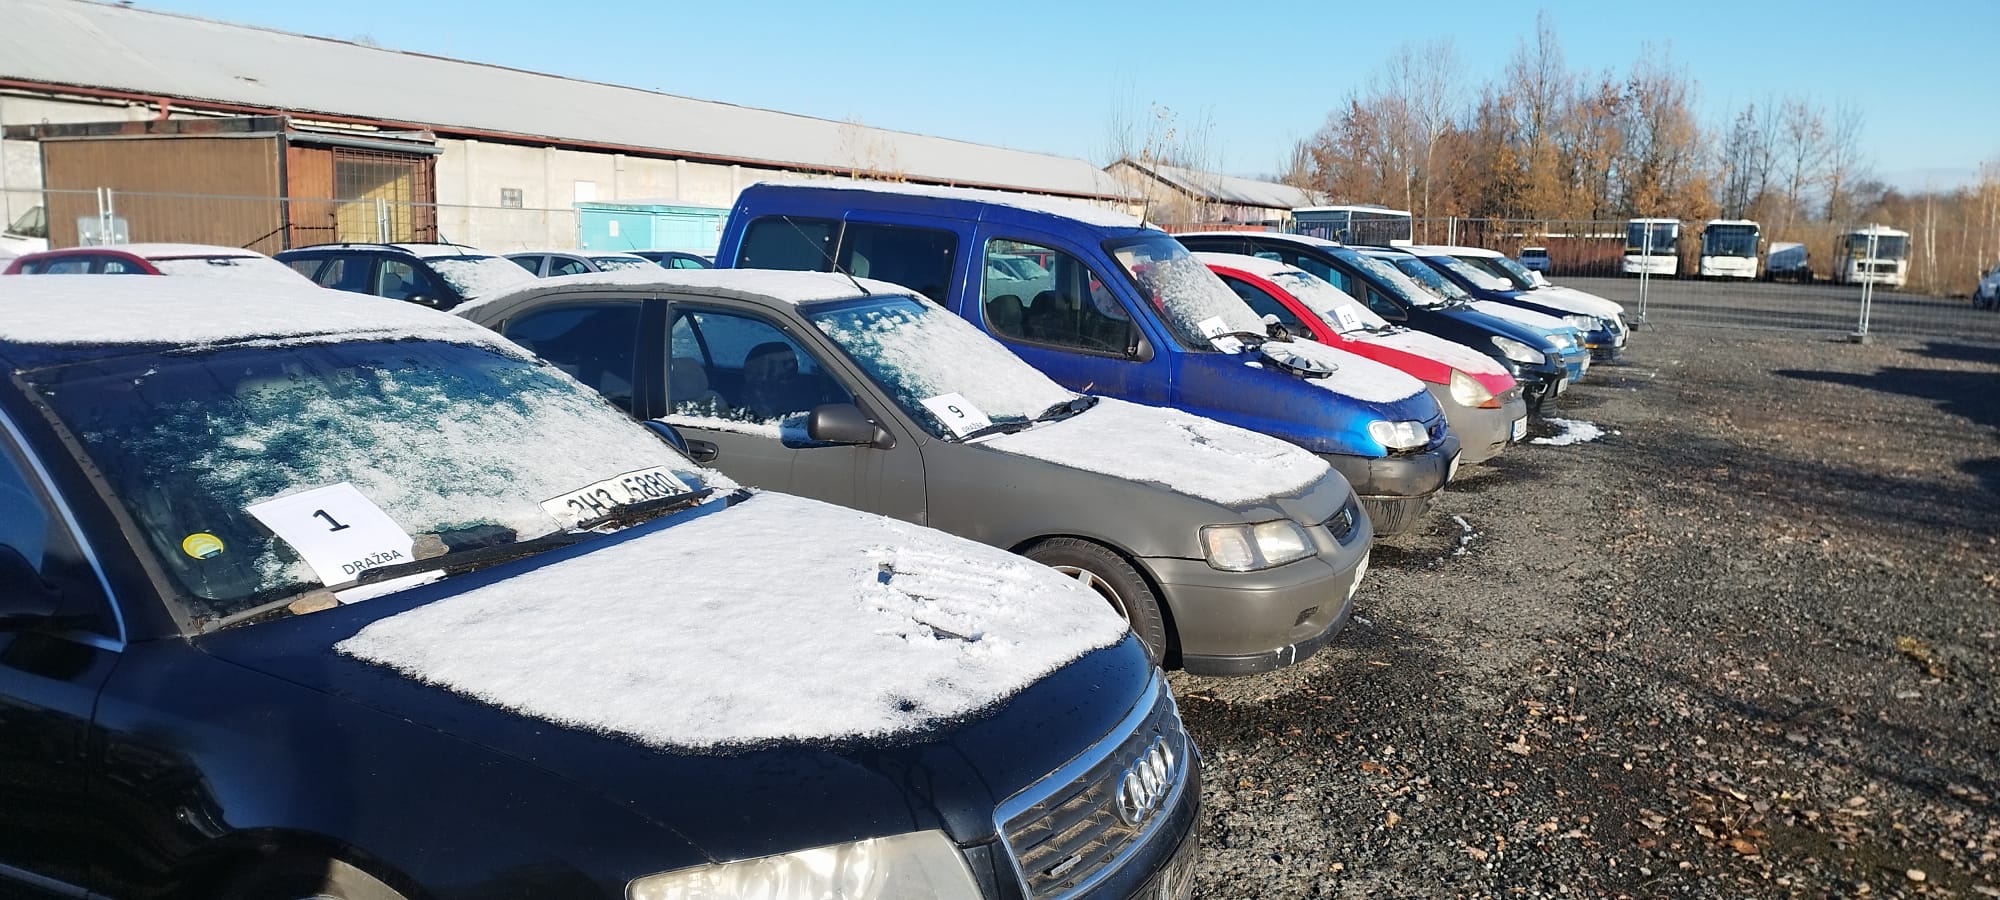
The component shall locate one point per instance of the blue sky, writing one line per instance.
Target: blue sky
(1046, 76)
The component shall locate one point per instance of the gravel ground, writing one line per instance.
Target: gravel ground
(1745, 644)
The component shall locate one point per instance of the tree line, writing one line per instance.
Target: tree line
(1542, 141)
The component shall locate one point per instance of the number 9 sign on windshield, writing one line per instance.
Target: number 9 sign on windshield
(957, 413)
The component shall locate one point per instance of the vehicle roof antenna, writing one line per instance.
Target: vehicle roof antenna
(830, 261)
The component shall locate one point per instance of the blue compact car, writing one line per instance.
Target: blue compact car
(1486, 275)
(1104, 305)
(1543, 360)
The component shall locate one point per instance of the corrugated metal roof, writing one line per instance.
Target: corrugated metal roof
(1220, 188)
(88, 44)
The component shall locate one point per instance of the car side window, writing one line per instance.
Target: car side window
(788, 242)
(567, 265)
(33, 529)
(736, 372)
(399, 280)
(1067, 304)
(1264, 304)
(920, 259)
(306, 267)
(346, 273)
(688, 262)
(531, 263)
(1322, 270)
(596, 343)
(112, 265)
(67, 265)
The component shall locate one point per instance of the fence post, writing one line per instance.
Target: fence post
(1646, 262)
(1860, 335)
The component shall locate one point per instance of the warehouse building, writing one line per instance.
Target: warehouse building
(1176, 196)
(507, 156)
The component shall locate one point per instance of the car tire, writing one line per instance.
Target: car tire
(1105, 572)
(301, 877)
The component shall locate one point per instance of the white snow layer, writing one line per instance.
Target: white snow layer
(730, 630)
(1183, 452)
(477, 276)
(121, 309)
(1357, 376)
(1543, 321)
(748, 284)
(1451, 353)
(1569, 431)
(235, 268)
(921, 351)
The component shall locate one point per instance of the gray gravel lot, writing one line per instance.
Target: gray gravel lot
(1744, 645)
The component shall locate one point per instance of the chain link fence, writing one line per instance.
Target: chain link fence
(1916, 284)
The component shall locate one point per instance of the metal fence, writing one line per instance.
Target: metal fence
(1938, 273)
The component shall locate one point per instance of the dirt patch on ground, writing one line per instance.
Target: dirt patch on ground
(1744, 644)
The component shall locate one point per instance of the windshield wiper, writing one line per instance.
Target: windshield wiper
(1067, 408)
(993, 428)
(1251, 339)
(458, 562)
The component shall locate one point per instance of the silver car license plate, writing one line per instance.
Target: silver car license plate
(1520, 429)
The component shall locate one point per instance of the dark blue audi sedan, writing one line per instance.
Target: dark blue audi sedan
(304, 594)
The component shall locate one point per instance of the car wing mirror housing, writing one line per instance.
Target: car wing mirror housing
(1137, 348)
(25, 599)
(845, 423)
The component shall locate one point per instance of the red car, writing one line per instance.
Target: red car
(1482, 404)
(200, 260)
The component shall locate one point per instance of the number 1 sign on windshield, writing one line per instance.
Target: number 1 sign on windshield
(957, 413)
(338, 532)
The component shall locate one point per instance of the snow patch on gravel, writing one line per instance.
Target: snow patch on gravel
(1570, 431)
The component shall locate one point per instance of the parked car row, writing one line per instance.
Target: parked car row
(903, 507)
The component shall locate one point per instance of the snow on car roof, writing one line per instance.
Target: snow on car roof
(1182, 452)
(1255, 265)
(1451, 250)
(120, 309)
(171, 251)
(1087, 213)
(1306, 239)
(431, 251)
(735, 644)
(592, 254)
(743, 284)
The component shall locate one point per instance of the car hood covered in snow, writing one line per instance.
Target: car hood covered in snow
(1173, 449)
(699, 667)
(1573, 300)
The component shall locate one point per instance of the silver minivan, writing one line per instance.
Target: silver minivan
(1229, 552)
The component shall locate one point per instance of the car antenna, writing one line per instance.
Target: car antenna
(837, 267)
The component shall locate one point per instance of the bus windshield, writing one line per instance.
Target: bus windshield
(1664, 236)
(1887, 246)
(1729, 240)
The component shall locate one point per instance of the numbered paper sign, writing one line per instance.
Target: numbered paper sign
(1213, 328)
(336, 530)
(1349, 321)
(957, 413)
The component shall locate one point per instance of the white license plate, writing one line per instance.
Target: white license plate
(1562, 384)
(1586, 367)
(594, 500)
(1520, 429)
(1452, 472)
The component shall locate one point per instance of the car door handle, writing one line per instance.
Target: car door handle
(702, 451)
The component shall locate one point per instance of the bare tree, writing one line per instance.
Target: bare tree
(1844, 161)
(1802, 151)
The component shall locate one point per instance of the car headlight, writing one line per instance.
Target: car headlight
(901, 867)
(1247, 548)
(1519, 352)
(1561, 341)
(1467, 390)
(1583, 323)
(1403, 435)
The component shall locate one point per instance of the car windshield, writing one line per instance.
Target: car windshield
(458, 442)
(917, 352)
(609, 263)
(477, 276)
(1331, 304)
(1480, 278)
(1193, 302)
(1502, 268)
(239, 268)
(1410, 279)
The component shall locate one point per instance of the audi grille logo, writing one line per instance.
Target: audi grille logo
(1145, 785)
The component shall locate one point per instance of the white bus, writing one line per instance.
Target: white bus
(1729, 249)
(1652, 247)
(1365, 226)
(1877, 254)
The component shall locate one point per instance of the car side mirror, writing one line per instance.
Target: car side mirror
(699, 451)
(845, 423)
(423, 300)
(1276, 329)
(1137, 348)
(25, 599)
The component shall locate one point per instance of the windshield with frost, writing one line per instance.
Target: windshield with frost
(1190, 299)
(460, 443)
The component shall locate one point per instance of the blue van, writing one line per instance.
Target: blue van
(1104, 305)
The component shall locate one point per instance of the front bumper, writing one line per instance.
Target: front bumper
(1482, 433)
(1397, 490)
(1576, 363)
(1605, 344)
(1243, 623)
